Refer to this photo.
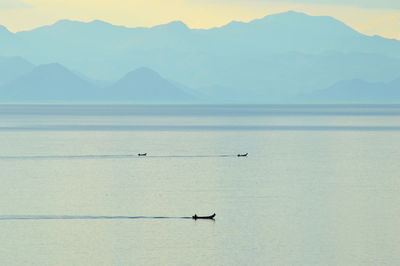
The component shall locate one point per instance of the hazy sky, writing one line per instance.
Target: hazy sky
(380, 17)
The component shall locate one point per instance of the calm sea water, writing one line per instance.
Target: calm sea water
(321, 185)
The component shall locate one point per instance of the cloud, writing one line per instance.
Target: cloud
(13, 4)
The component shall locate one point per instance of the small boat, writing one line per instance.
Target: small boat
(142, 154)
(211, 217)
(243, 155)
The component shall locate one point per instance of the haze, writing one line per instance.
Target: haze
(371, 17)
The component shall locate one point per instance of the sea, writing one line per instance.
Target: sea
(320, 185)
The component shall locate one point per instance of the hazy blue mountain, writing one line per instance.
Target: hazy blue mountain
(285, 32)
(357, 91)
(13, 67)
(277, 77)
(100, 49)
(268, 59)
(5, 33)
(280, 33)
(55, 83)
(11, 44)
(48, 83)
(72, 39)
(145, 85)
(298, 32)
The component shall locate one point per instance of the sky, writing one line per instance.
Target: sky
(371, 17)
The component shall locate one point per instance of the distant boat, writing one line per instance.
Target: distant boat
(211, 217)
(142, 154)
(243, 155)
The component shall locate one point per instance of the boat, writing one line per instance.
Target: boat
(142, 154)
(243, 155)
(211, 217)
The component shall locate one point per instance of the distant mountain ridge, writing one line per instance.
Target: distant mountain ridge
(145, 85)
(357, 91)
(12, 68)
(270, 59)
(47, 83)
(52, 83)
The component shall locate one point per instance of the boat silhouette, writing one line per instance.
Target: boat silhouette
(211, 217)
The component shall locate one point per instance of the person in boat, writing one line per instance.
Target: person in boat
(211, 217)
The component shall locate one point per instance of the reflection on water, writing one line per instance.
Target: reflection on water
(320, 185)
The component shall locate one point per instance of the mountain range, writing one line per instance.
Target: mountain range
(272, 59)
(357, 91)
(55, 83)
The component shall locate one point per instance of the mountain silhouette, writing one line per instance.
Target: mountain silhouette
(146, 85)
(357, 91)
(269, 59)
(48, 83)
(12, 68)
(10, 43)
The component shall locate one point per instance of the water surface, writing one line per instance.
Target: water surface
(320, 185)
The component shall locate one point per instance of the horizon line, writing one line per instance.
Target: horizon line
(185, 24)
(156, 25)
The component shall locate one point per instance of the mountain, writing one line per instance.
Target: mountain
(357, 91)
(278, 77)
(285, 32)
(270, 59)
(13, 67)
(5, 33)
(55, 83)
(279, 33)
(10, 43)
(297, 32)
(145, 85)
(48, 83)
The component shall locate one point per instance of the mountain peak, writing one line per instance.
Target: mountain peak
(66, 22)
(4, 30)
(177, 23)
(142, 72)
(292, 16)
(48, 83)
(98, 21)
(146, 85)
(102, 23)
(174, 25)
(299, 20)
(290, 13)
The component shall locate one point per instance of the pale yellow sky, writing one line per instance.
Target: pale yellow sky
(19, 15)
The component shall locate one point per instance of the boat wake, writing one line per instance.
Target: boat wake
(102, 156)
(71, 217)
